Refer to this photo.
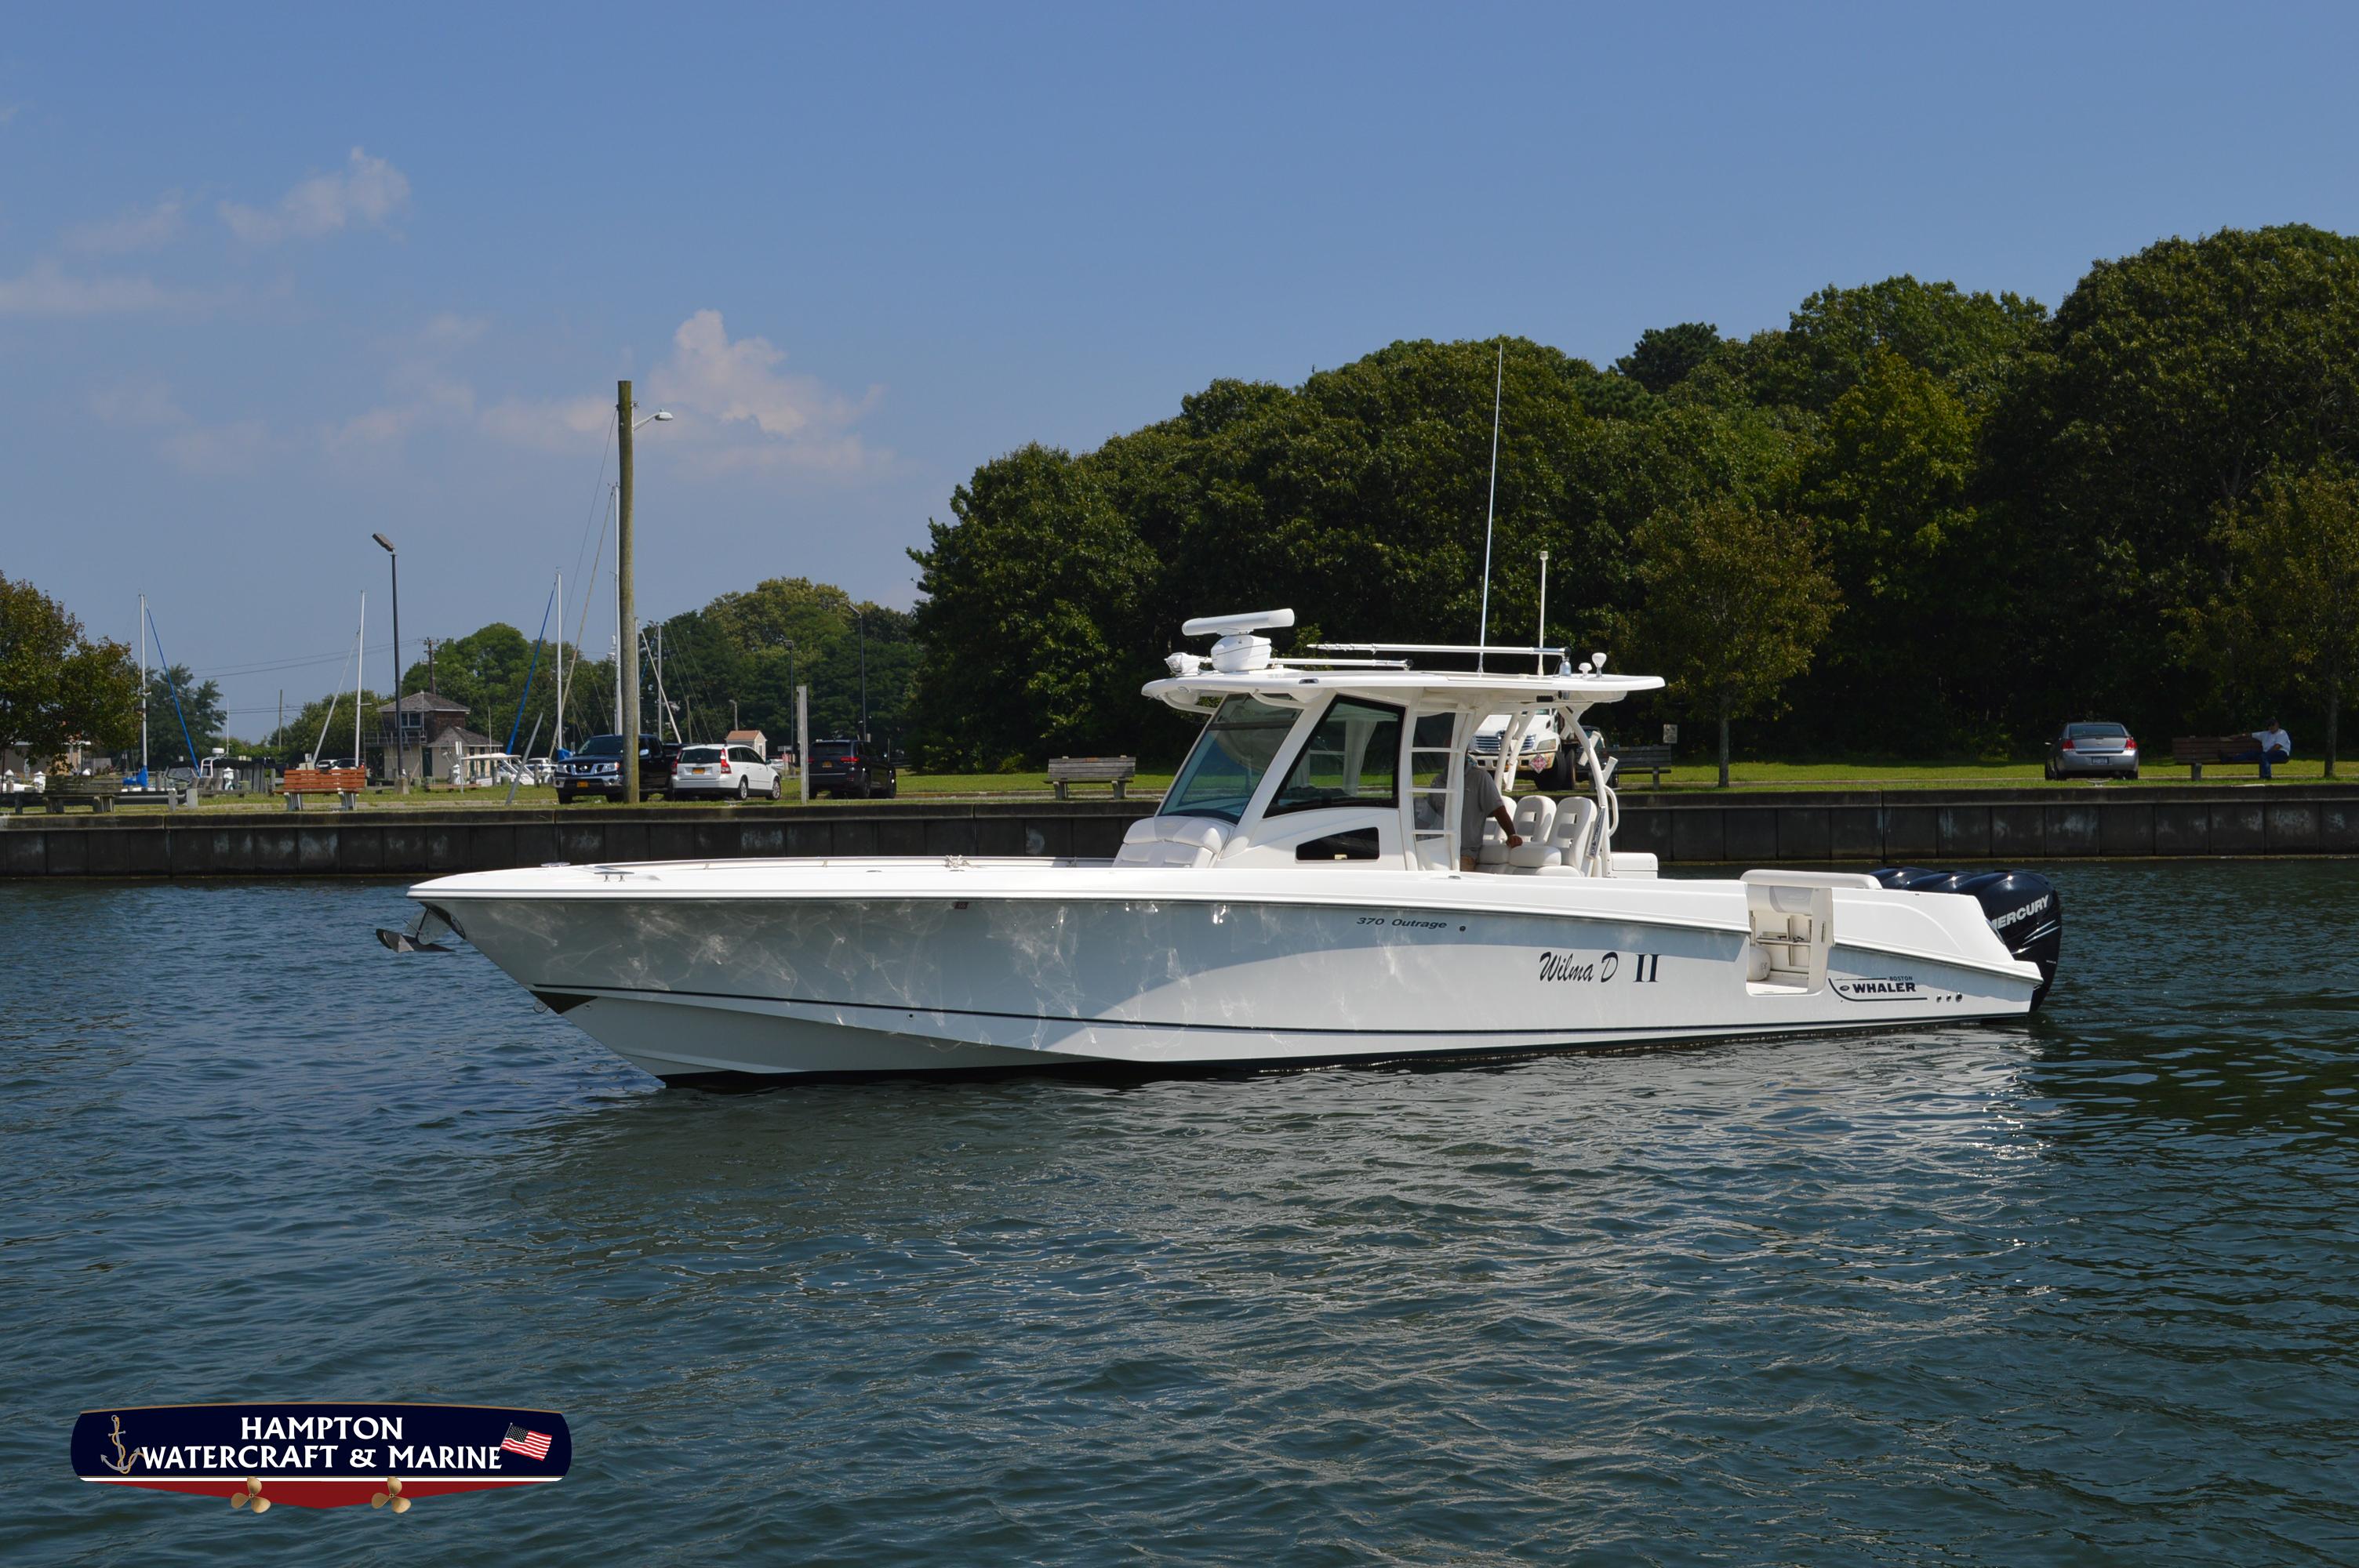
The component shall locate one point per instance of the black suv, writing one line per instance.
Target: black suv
(861, 769)
(596, 769)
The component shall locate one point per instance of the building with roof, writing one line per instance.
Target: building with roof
(420, 730)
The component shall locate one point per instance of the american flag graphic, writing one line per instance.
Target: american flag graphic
(531, 1444)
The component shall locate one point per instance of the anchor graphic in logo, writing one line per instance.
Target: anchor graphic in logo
(123, 1458)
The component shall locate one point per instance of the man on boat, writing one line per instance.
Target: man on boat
(1484, 801)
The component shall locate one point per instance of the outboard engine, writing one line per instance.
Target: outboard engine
(2022, 907)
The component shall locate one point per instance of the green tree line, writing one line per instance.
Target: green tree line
(1947, 521)
(733, 663)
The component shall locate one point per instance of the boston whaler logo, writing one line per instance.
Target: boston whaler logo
(321, 1455)
(1883, 987)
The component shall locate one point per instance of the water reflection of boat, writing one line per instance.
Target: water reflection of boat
(1300, 898)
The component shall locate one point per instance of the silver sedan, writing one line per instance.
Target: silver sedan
(2093, 749)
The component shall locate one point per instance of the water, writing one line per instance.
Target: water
(2080, 1291)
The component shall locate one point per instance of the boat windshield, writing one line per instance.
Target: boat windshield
(1236, 750)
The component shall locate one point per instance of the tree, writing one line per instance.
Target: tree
(1736, 602)
(301, 736)
(2173, 381)
(57, 684)
(1028, 596)
(1887, 479)
(1665, 356)
(177, 699)
(2292, 594)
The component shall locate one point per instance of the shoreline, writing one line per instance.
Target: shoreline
(1759, 828)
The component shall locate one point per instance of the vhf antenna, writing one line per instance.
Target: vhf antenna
(1498, 381)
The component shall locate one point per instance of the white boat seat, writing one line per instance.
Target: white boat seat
(1576, 823)
(1535, 820)
(1492, 852)
(1172, 841)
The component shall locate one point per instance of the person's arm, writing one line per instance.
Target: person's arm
(1505, 820)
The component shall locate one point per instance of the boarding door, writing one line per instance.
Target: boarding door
(1433, 787)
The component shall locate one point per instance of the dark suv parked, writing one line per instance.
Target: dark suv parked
(596, 769)
(860, 769)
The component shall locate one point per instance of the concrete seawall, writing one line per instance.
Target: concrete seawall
(1759, 828)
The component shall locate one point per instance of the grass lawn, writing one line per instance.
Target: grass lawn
(1685, 778)
(1705, 775)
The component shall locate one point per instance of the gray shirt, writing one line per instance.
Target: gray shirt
(1482, 798)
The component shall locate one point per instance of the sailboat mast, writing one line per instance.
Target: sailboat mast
(143, 691)
(360, 672)
(1540, 638)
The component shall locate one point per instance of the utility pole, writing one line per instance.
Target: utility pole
(862, 621)
(627, 631)
(557, 744)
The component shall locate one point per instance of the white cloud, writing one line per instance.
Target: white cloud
(47, 290)
(146, 401)
(132, 231)
(737, 410)
(148, 405)
(557, 426)
(439, 403)
(368, 192)
(423, 391)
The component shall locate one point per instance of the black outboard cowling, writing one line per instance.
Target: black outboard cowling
(2022, 907)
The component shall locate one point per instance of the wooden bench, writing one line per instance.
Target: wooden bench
(2200, 752)
(1654, 759)
(343, 783)
(98, 792)
(1115, 770)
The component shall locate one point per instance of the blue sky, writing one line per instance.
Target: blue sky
(271, 280)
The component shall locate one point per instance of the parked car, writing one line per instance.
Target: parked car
(737, 771)
(596, 769)
(2089, 748)
(1538, 751)
(861, 769)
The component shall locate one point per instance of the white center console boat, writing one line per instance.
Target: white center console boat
(1300, 898)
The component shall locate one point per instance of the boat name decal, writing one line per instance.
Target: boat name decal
(1570, 967)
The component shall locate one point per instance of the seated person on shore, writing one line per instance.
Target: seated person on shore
(1482, 801)
(2269, 745)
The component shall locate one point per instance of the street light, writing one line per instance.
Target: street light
(400, 746)
(663, 414)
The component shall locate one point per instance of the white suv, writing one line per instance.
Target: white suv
(727, 771)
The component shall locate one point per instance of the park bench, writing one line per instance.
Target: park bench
(1115, 770)
(2200, 752)
(343, 783)
(1654, 759)
(98, 792)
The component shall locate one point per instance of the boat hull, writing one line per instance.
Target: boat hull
(828, 979)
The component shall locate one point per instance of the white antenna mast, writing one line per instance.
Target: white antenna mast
(1498, 381)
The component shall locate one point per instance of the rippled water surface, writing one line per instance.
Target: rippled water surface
(2080, 1291)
